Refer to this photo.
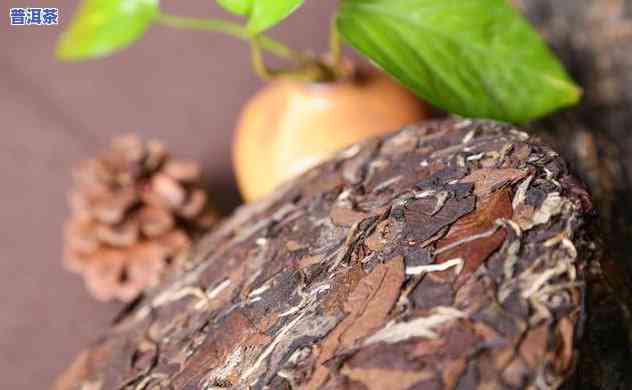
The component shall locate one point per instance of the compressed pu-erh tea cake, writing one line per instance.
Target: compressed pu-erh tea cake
(449, 255)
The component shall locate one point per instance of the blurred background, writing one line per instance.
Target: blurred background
(183, 87)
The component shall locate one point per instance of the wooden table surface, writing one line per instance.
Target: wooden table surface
(183, 87)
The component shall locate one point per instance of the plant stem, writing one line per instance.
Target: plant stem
(335, 46)
(307, 67)
(232, 29)
(258, 63)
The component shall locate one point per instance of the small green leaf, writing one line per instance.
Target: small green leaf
(267, 13)
(239, 7)
(262, 14)
(477, 58)
(101, 27)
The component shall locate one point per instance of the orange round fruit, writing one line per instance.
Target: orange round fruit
(290, 125)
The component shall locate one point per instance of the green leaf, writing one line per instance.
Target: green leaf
(476, 58)
(239, 7)
(101, 27)
(262, 14)
(267, 13)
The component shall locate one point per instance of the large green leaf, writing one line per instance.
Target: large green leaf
(477, 58)
(262, 14)
(101, 27)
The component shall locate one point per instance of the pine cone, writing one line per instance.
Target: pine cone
(134, 214)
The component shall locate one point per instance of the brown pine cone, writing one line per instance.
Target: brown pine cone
(134, 214)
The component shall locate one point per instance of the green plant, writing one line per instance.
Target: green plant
(477, 58)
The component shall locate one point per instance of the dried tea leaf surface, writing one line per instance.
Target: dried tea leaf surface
(450, 255)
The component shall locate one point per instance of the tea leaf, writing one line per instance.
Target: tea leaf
(101, 27)
(477, 58)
